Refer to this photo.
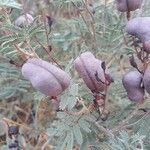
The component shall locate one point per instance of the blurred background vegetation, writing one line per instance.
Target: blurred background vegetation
(62, 30)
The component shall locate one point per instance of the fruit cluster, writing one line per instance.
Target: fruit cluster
(137, 81)
(52, 81)
(13, 132)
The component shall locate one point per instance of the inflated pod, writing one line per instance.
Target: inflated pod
(87, 66)
(132, 83)
(128, 5)
(24, 20)
(140, 28)
(146, 80)
(45, 77)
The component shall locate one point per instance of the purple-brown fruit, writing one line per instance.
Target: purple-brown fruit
(45, 77)
(146, 80)
(140, 28)
(88, 66)
(128, 5)
(132, 83)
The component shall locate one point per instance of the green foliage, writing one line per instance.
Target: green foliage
(18, 35)
(70, 130)
(68, 99)
(10, 3)
(74, 30)
(124, 141)
(11, 82)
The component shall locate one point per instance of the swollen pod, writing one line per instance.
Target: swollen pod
(45, 77)
(140, 28)
(88, 66)
(128, 5)
(132, 83)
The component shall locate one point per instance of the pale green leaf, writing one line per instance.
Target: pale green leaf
(78, 134)
(70, 141)
(10, 3)
(84, 125)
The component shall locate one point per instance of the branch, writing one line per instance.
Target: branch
(106, 131)
(125, 121)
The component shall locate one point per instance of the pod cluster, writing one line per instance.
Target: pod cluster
(13, 134)
(52, 81)
(138, 27)
(134, 82)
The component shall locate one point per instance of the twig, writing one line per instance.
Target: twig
(46, 32)
(125, 121)
(147, 113)
(106, 131)
(81, 16)
(46, 144)
(88, 10)
(19, 124)
(25, 55)
(92, 24)
(52, 59)
(84, 110)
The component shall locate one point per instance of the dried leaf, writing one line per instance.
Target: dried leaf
(103, 65)
(132, 62)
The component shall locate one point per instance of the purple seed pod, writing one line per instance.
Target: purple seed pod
(13, 130)
(13, 145)
(146, 80)
(24, 20)
(132, 83)
(128, 5)
(140, 28)
(45, 77)
(88, 66)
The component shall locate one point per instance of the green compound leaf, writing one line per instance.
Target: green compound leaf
(10, 3)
